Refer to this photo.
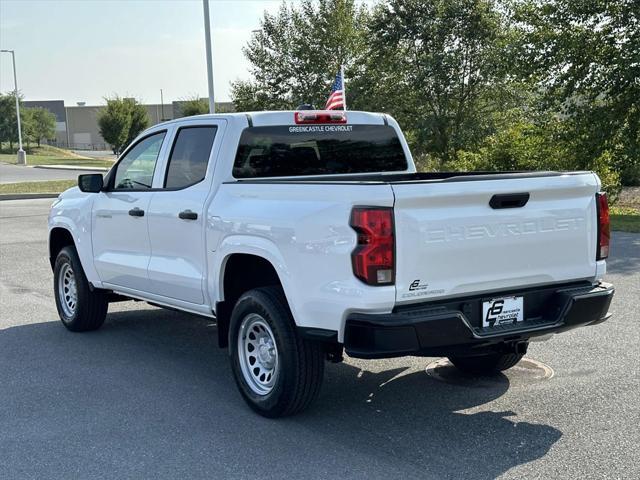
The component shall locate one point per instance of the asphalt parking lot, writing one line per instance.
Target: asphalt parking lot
(150, 396)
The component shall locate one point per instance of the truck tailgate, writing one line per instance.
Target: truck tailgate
(451, 242)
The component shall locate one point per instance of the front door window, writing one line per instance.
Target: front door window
(135, 169)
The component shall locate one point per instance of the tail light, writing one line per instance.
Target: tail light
(373, 259)
(604, 234)
(320, 116)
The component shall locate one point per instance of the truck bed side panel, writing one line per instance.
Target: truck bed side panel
(303, 230)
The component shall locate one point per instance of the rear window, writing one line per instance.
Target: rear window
(189, 156)
(283, 151)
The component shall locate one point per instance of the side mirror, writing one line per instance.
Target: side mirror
(90, 183)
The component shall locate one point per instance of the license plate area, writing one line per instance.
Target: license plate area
(502, 311)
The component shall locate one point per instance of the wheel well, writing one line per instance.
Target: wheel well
(58, 239)
(242, 272)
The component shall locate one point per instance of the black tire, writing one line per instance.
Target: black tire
(90, 306)
(486, 364)
(300, 362)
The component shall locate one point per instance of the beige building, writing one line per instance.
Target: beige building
(77, 126)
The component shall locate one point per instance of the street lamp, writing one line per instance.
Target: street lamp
(207, 38)
(22, 156)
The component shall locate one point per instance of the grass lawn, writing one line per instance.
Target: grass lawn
(625, 223)
(625, 219)
(52, 186)
(48, 155)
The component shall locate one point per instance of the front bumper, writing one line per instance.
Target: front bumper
(454, 327)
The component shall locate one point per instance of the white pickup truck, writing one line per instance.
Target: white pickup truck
(309, 233)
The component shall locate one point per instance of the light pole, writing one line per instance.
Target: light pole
(22, 156)
(207, 38)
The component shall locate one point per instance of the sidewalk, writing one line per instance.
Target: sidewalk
(71, 167)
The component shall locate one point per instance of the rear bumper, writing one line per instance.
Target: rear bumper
(453, 327)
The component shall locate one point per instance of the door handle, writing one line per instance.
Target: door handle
(509, 200)
(136, 212)
(188, 215)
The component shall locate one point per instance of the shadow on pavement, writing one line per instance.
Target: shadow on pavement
(150, 395)
(625, 254)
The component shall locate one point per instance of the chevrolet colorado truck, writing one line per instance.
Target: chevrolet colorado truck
(306, 234)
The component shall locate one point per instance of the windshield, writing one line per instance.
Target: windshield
(282, 151)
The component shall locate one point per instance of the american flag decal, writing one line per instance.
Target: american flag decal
(337, 98)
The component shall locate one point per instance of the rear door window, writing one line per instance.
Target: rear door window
(189, 156)
(282, 151)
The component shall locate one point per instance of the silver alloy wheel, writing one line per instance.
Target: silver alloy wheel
(258, 354)
(67, 290)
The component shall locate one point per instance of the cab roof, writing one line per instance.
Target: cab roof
(282, 117)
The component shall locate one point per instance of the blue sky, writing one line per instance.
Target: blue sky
(83, 50)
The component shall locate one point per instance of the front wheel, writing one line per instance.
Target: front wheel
(278, 373)
(486, 364)
(79, 308)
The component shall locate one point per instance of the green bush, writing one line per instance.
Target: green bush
(610, 178)
(194, 106)
(524, 145)
(426, 162)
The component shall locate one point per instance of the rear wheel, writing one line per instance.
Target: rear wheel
(486, 364)
(278, 373)
(79, 308)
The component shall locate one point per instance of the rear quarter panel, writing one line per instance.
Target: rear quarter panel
(303, 230)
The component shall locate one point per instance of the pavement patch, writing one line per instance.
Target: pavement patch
(526, 372)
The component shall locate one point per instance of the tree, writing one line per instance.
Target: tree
(441, 67)
(8, 124)
(121, 121)
(534, 84)
(28, 126)
(114, 122)
(297, 52)
(584, 55)
(39, 123)
(139, 118)
(194, 106)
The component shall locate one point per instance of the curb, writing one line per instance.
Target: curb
(26, 196)
(71, 167)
